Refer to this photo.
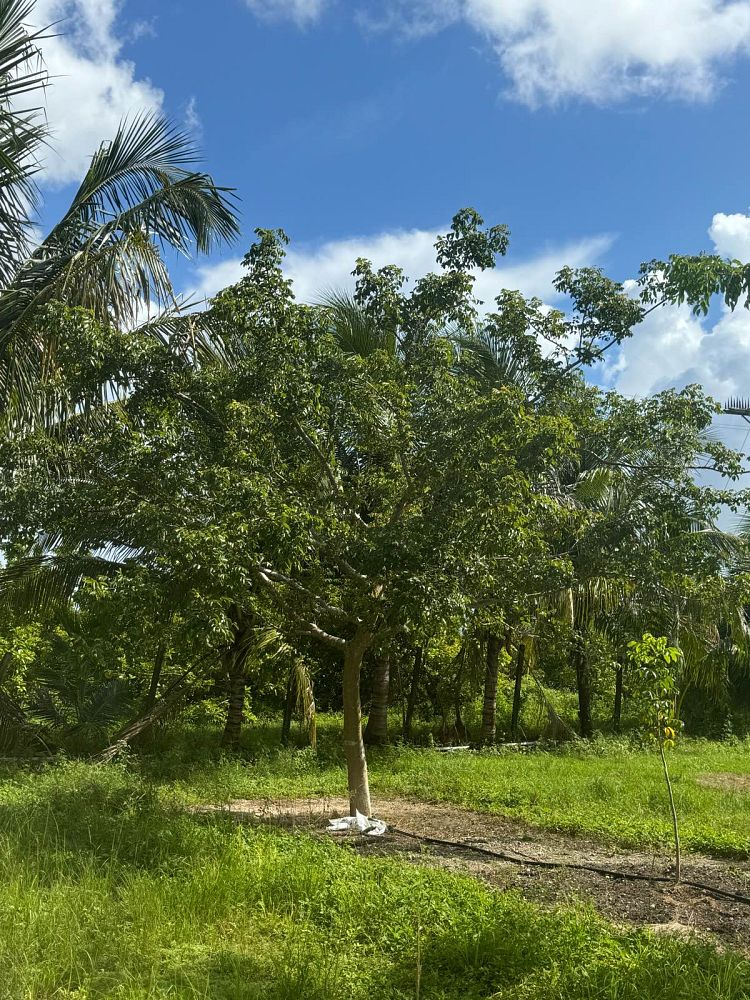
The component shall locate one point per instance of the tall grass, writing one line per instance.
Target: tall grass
(108, 892)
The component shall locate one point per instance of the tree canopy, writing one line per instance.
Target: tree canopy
(357, 481)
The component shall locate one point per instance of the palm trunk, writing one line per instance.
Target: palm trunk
(235, 701)
(579, 662)
(411, 703)
(583, 681)
(459, 727)
(617, 713)
(289, 703)
(489, 709)
(516, 713)
(354, 747)
(376, 730)
(236, 666)
(155, 677)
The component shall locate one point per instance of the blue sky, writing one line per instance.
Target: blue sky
(601, 133)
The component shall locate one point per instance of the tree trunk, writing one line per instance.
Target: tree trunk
(459, 727)
(516, 713)
(5, 664)
(673, 810)
(235, 701)
(235, 660)
(289, 703)
(617, 714)
(155, 677)
(354, 747)
(177, 691)
(583, 682)
(376, 730)
(489, 709)
(411, 703)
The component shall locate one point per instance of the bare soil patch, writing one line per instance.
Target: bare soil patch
(664, 907)
(725, 782)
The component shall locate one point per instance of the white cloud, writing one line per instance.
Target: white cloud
(412, 18)
(731, 235)
(301, 12)
(552, 50)
(192, 118)
(316, 271)
(674, 348)
(145, 28)
(91, 86)
(212, 278)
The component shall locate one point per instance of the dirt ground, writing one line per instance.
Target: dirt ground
(664, 906)
(725, 782)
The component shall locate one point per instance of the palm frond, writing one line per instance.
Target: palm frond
(140, 181)
(49, 582)
(492, 361)
(195, 335)
(594, 486)
(138, 199)
(305, 699)
(353, 329)
(22, 132)
(17, 730)
(727, 545)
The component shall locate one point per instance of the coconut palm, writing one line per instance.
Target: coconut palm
(706, 620)
(140, 197)
(21, 133)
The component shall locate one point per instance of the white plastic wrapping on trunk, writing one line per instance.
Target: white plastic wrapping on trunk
(362, 824)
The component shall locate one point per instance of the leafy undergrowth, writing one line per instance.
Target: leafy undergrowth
(107, 892)
(611, 790)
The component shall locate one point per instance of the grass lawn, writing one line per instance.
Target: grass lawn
(106, 891)
(609, 790)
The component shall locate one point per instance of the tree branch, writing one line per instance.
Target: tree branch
(306, 627)
(327, 471)
(315, 632)
(348, 570)
(272, 576)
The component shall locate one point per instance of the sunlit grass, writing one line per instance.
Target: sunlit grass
(108, 892)
(609, 789)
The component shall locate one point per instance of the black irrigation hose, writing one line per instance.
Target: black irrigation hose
(712, 890)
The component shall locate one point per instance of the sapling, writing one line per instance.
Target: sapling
(655, 666)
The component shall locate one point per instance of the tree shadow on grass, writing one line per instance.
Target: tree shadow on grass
(112, 821)
(294, 970)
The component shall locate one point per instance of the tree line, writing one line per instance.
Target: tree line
(401, 484)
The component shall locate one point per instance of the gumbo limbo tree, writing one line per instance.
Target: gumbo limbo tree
(336, 495)
(413, 486)
(374, 488)
(340, 472)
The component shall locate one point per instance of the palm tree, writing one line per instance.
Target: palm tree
(608, 598)
(21, 133)
(140, 197)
